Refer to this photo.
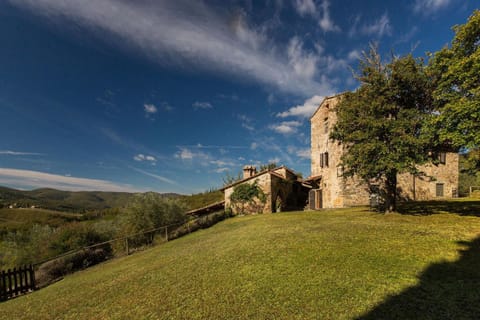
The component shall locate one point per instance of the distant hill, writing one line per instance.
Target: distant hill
(70, 201)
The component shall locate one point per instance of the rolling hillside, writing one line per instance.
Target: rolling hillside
(339, 264)
(67, 201)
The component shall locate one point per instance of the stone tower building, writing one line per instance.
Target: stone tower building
(332, 190)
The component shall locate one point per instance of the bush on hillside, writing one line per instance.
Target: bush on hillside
(75, 236)
(149, 211)
(55, 269)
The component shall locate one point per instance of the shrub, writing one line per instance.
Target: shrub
(75, 236)
(248, 198)
(55, 269)
(148, 211)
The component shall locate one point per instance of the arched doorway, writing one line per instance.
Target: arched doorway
(278, 203)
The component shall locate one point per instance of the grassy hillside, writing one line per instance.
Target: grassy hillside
(338, 264)
(200, 200)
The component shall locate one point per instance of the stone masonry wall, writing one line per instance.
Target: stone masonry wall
(340, 192)
(264, 182)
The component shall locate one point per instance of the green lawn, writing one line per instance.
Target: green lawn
(338, 264)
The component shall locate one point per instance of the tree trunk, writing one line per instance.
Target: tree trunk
(391, 191)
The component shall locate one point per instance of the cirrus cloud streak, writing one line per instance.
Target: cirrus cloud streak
(186, 34)
(29, 179)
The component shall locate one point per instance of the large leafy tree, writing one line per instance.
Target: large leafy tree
(456, 73)
(381, 123)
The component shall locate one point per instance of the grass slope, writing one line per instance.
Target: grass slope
(337, 264)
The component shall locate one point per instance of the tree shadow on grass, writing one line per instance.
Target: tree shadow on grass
(446, 290)
(463, 208)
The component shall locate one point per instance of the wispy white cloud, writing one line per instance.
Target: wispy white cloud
(220, 147)
(302, 153)
(202, 105)
(29, 179)
(379, 28)
(233, 96)
(195, 157)
(246, 122)
(427, 7)
(326, 22)
(322, 14)
(141, 157)
(354, 25)
(150, 108)
(303, 111)
(275, 160)
(20, 153)
(184, 154)
(222, 170)
(286, 127)
(187, 34)
(155, 176)
(303, 63)
(220, 163)
(354, 55)
(304, 7)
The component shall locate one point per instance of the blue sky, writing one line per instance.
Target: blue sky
(171, 96)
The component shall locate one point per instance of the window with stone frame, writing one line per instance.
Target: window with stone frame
(439, 189)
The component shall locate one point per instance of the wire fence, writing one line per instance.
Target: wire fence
(52, 269)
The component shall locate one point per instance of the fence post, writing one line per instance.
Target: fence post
(126, 246)
(15, 281)
(3, 286)
(166, 234)
(32, 278)
(21, 281)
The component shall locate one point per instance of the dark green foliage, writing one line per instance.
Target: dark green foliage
(148, 211)
(268, 166)
(229, 179)
(456, 71)
(382, 123)
(247, 197)
(74, 236)
(469, 172)
(54, 269)
(202, 222)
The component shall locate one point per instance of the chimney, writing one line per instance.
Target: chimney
(249, 171)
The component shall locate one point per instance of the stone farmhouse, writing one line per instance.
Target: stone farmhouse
(283, 189)
(327, 188)
(331, 190)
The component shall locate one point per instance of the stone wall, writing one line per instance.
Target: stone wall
(264, 182)
(424, 186)
(338, 192)
(283, 191)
